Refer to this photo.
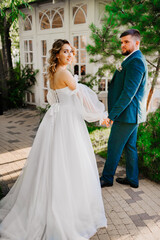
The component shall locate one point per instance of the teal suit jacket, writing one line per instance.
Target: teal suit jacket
(127, 91)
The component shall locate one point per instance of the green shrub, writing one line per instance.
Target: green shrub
(22, 80)
(42, 111)
(148, 144)
(92, 127)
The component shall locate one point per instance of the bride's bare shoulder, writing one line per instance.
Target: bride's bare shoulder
(67, 78)
(64, 74)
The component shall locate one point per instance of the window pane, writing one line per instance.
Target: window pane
(48, 13)
(57, 21)
(77, 57)
(44, 48)
(44, 64)
(33, 97)
(30, 45)
(28, 97)
(52, 13)
(45, 79)
(76, 44)
(83, 56)
(40, 16)
(76, 69)
(26, 57)
(27, 25)
(31, 66)
(83, 41)
(79, 17)
(84, 7)
(61, 11)
(25, 45)
(45, 24)
(30, 18)
(74, 10)
(83, 70)
(31, 57)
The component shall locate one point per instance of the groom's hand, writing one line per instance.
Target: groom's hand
(108, 122)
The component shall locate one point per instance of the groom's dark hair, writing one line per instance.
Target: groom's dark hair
(133, 33)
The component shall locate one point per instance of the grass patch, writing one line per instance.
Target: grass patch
(99, 138)
(103, 154)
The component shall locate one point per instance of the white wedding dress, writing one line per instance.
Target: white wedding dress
(58, 196)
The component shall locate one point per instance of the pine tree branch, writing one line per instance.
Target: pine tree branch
(151, 63)
(121, 10)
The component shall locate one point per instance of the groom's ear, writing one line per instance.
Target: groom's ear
(137, 43)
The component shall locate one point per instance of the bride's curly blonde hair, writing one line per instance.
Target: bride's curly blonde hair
(53, 61)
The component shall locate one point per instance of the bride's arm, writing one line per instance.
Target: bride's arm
(68, 79)
(92, 109)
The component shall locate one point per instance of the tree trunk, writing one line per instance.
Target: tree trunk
(6, 59)
(1, 84)
(6, 49)
(154, 82)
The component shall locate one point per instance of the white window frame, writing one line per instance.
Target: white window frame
(80, 63)
(49, 7)
(83, 26)
(24, 63)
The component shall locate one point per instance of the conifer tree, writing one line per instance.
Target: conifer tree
(104, 49)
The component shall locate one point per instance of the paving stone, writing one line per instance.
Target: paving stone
(132, 214)
(95, 237)
(103, 237)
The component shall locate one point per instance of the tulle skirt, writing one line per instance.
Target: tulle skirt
(58, 194)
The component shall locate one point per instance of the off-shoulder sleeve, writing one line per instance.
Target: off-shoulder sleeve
(92, 109)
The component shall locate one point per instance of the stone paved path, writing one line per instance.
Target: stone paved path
(133, 214)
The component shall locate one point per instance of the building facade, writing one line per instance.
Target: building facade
(48, 21)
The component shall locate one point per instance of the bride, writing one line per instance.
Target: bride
(58, 196)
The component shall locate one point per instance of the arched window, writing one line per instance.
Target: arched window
(51, 18)
(28, 23)
(80, 13)
(101, 10)
(57, 19)
(45, 22)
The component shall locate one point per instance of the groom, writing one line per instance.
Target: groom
(127, 95)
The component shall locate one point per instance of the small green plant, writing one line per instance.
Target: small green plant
(42, 111)
(22, 80)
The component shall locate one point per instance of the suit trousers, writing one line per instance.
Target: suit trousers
(123, 136)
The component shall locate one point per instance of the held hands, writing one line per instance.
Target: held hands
(108, 122)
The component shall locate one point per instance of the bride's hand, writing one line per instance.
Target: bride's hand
(108, 122)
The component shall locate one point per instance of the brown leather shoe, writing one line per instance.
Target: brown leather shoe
(126, 182)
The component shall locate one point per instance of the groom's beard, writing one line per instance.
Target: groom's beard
(126, 53)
